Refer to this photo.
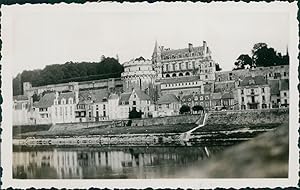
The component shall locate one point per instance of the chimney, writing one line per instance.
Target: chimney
(204, 47)
(56, 95)
(190, 47)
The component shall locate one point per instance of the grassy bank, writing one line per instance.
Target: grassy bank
(223, 127)
(21, 129)
(178, 128)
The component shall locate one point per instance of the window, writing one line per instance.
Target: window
(196, 98)
(71, 110)
(55, 111)
(201, 97)
(206, 97)
(206, 76)
(263, 90)
(252, 91)
(243, 99)
(104, 106)
(284, 74)
(284, 93)
(263, 98)
(242, 91)
(134, 102)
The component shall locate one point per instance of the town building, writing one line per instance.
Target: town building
(43, 109)
(21, 111)
(254, 93)
(62, 110)
(190, 67)
(203, 100)
(167, 105)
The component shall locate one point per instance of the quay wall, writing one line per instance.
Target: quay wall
(76, 126)
(248, 117)
(170, 120)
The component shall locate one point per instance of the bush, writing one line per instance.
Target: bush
(184, 109)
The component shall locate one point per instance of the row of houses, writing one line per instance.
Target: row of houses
(82, 106)
(253, 92)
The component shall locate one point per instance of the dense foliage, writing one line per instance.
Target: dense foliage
(184, 109)
(135, 114)
(197, 108)
(69, 72)
(262, 56)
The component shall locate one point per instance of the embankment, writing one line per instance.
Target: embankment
(239, 125)
(170, 120)
(248, 117)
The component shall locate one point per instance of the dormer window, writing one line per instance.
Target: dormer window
(251, 81)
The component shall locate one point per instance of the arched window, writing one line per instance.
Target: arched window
(174, 75)
(187, 74)
(167, 75)
(180, 74)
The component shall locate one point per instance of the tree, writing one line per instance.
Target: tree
(184, 109)
(69, 72)
(262, 56)
(197, 108)
(243, 61)
(135, 114)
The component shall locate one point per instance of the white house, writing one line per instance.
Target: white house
(21, 111)
(167, 105)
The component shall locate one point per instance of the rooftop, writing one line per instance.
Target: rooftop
(167, 99)
(46, 101)
(20, 98)
(253, 81)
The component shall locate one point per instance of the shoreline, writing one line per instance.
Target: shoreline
(218, 128)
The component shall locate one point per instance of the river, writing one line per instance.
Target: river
(108, 162)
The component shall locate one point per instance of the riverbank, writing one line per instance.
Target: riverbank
(219, 127)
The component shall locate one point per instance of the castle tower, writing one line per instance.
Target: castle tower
(139, 74)
(156, 60)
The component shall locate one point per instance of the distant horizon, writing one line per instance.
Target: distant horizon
(83, 33)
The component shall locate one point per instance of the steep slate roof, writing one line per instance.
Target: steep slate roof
(274, 87)
(93, 95)
(183, 51)
(284, 84)
(227, 95)
(113, 96)
(66, 96)
(167, 99)
(46, 101)
(142, 95)
(180, 79)
(258, 80)
(186, 97)
(216, 96)
(124, 97)
(20, 98)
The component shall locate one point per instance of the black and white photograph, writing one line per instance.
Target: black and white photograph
(161, 95)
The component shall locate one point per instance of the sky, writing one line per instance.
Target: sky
(38, 35)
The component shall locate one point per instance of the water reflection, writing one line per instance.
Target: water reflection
(106, 162)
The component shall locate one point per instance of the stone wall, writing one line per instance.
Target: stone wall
(245, 117)
(170, 120)
(76, 126)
